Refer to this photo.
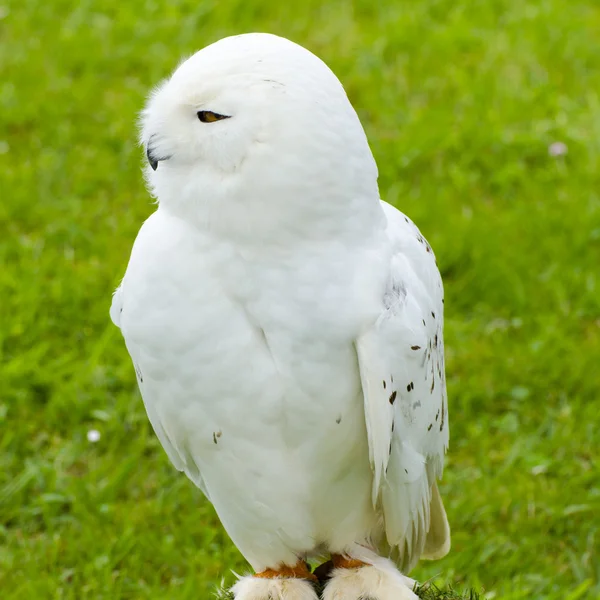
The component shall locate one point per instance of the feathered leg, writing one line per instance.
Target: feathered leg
(363, 574)
(285, 583)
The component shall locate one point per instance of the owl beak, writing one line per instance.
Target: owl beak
(153, 155)
(153, 162)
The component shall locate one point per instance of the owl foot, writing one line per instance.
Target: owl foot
(379, 579)
(284, 588)
(285, 583)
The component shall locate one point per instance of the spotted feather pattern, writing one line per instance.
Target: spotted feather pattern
(401, 361)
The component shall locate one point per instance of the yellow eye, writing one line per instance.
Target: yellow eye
(206, 116)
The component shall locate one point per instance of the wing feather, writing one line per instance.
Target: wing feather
(401, 361)
(166, 432)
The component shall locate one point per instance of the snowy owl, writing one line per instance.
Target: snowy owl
(285, 325)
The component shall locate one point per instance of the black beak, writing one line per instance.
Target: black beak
(151, 159)
(151, 153)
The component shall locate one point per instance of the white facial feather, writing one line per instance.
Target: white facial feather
(292, 146)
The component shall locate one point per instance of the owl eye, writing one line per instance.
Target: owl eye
(206, 116)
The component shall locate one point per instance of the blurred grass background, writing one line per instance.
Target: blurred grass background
(462, 101)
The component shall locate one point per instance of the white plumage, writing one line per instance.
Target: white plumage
(284, 323)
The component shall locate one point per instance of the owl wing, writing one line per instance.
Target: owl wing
(401, 361)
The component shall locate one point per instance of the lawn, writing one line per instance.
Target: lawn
(484, 117)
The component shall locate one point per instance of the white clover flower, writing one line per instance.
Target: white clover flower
(558, 149)
(93, 436)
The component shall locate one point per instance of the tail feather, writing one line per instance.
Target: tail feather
(437, 542)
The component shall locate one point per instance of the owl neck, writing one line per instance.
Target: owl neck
(251, 211)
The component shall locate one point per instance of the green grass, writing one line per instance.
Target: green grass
(461, 100)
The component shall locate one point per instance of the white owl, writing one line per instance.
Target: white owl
(285, 325)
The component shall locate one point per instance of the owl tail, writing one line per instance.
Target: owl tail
(437, 542)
